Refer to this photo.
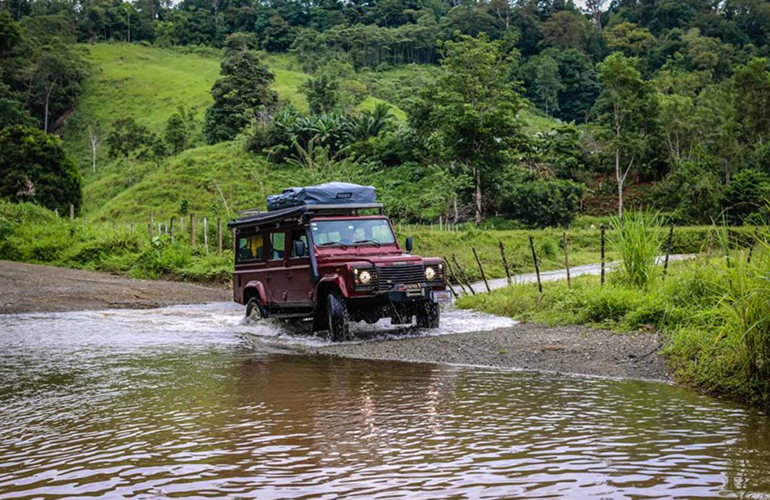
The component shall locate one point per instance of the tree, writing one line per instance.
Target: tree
(751, 85)
(127, 137)
(594, 8)
(242, 94)
(322, 92)
(278, 35)
(34, 167)
(177, 135)
(469, 116)
(626, 111)
(95, 141)
(747, 194)
(542, 74)
(629, 38)
(55, 74)
(565, 30)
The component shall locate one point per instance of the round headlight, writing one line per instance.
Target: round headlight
(429, 273)
(365, 277)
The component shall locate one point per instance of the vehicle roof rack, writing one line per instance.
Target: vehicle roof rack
(255, 217)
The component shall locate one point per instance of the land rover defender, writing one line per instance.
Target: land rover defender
(329, 253)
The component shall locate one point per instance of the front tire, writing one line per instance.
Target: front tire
(338, 317)
(428, 315)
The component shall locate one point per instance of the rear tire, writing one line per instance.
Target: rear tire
(428, 315)
(338, 317)
(254, 309)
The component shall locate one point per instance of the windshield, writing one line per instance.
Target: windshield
(352, 232)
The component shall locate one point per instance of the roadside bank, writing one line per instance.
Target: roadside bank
(34, 288)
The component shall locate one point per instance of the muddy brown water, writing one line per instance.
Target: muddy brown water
(174, 402)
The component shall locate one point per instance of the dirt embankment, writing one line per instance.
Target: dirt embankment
(33, 288)
(529, 346)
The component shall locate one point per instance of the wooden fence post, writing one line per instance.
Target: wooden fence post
(206, 233)
(219, 234)
(481, 268)
(537, 266)
(152, 225)
(566, 260)
(505, 264)
(603, 229)
(463, 275)
(72, 212)
(454, 277)
(171, 229)
(192, 229)
(668, 252)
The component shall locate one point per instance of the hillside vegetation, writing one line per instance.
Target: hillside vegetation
(149, 84)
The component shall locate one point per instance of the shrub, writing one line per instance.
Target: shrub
(543, 203)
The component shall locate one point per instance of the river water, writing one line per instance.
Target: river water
(175, 402)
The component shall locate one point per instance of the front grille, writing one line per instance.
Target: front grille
(387, 276)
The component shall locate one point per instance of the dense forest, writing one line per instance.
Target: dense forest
(662, 103)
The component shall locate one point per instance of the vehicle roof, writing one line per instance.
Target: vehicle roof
(250, 218)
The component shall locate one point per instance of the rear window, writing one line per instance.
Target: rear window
(250, 248)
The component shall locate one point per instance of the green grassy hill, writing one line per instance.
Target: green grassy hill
(149, 84)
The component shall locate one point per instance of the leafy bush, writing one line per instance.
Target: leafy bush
(543, 203)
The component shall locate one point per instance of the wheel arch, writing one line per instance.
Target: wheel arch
(254, 289)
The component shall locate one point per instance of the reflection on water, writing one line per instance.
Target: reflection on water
(145, 405)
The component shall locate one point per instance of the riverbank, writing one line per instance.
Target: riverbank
(526, 346)
(35, 288)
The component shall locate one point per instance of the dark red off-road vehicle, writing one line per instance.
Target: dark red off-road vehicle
(328, 253)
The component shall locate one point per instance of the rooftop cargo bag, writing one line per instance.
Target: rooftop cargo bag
(331, 193)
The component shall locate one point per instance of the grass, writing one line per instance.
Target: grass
(29, 233)
(714, 314)
(637, 239)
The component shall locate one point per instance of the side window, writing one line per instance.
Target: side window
(277, 246)
(250, 247)
(298, 236)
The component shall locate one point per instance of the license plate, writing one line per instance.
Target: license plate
(441, 296)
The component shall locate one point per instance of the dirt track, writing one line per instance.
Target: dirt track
(529, 346)
(33, 288)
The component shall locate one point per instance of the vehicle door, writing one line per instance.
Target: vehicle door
(298, 272)
(249, 259)
(275, 268)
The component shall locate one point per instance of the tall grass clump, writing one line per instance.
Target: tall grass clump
(638, 241)
(746, 305)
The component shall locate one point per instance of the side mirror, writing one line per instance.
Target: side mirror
(409, 244)
(299, 248)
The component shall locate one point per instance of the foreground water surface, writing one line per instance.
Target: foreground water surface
(176, 403)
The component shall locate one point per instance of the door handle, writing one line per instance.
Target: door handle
(290, 275)
(268, 277)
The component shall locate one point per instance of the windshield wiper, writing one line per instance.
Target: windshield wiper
(333, 244)
(367, 242)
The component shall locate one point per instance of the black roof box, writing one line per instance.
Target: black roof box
(331, 193)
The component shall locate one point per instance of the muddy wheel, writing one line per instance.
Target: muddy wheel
(338, 317)
(428, 315)
(254, 309)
